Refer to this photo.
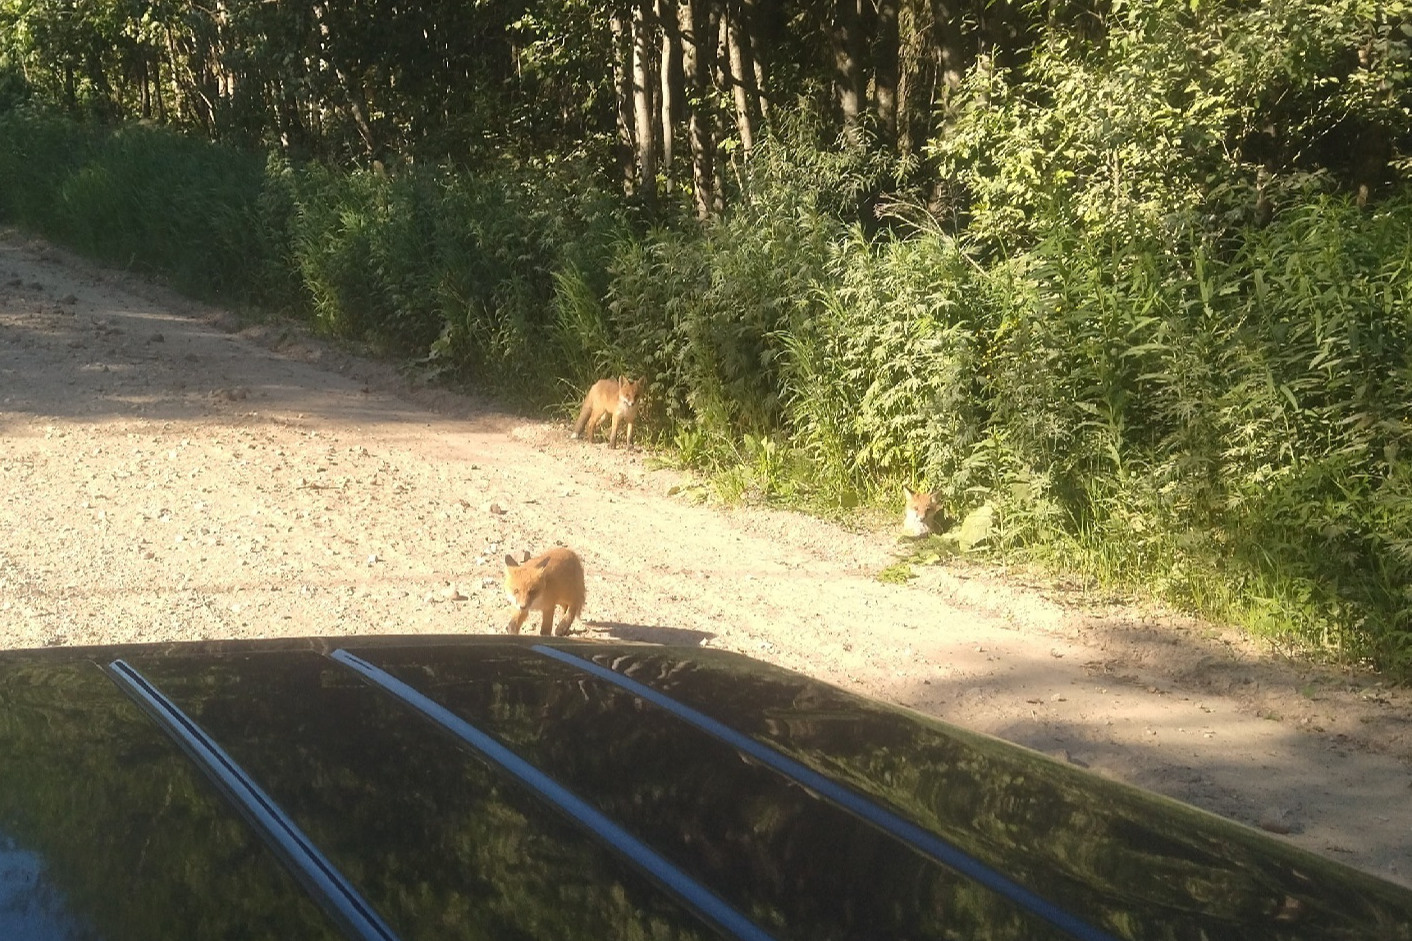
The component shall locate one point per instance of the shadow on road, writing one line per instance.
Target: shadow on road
(77, 345)
(643, 633)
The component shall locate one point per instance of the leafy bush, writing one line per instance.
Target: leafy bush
(1206, 419)
(880, 377)
(143, 198)
(705, 312)
(464, 269)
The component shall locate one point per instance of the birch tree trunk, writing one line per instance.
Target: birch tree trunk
(741, 75)
(622, 84)
(668, 13)
(885, 68)
(756, 51)
(847, 70)
(642, 84)
(698, 32)
(721, 77)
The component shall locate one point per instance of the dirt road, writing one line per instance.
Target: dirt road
(165, 475)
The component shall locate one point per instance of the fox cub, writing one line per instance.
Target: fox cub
(616, 397)
(539, 584)
(919, 510)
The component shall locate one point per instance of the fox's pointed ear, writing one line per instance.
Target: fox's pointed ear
(622, 380)
(510, 562)
(907, 492)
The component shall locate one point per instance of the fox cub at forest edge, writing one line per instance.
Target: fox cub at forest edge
(539, 584)
(616, 397)
(919, 509)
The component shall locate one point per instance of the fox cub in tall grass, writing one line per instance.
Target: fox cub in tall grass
(919, 512)
(616, 397)
(553, 578)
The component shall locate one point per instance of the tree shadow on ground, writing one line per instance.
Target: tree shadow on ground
(651, 634)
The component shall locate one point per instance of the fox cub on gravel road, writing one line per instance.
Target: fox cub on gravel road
(616, 397)
(539, 584)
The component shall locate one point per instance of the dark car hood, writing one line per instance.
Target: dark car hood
(500, 788)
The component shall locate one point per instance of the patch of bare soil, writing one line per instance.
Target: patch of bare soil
(166, 475)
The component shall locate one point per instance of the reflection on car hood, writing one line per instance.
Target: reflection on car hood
(440, 788)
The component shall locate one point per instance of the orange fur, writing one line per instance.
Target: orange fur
(554, 578)
(918, 508)
(615, 397)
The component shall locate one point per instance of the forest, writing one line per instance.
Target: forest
(1128, 280)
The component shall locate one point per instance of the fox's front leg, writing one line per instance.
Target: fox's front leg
(546, 626)
(570, 614)
(517, 620)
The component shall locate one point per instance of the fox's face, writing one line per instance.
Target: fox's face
(523, 582)
(628, 391)
(918, 507)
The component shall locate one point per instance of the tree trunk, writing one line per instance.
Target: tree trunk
(157, 84)
(721, 77)
(741, 75)
(885, 68)
(98, 79)
(144, 91)
(359, 113)
(668, 14)
(848, 78)
(755, 49)
(952, 55)
(916, 74)
(698, 32)
(642, 75)
(622, 84)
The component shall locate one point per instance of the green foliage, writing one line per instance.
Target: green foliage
(705, 312)
(581, 330)
(898, 573)
(879, 381)
(1192, 354)
(143, 198)
(337, 81)
(482, 274)
(1182, 109)
(1323, 491)
(1199, 421)
(14, 89)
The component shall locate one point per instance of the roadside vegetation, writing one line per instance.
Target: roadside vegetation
(1131, 279)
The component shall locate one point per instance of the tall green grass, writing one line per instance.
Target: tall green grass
(459, 270)
(144, 199)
